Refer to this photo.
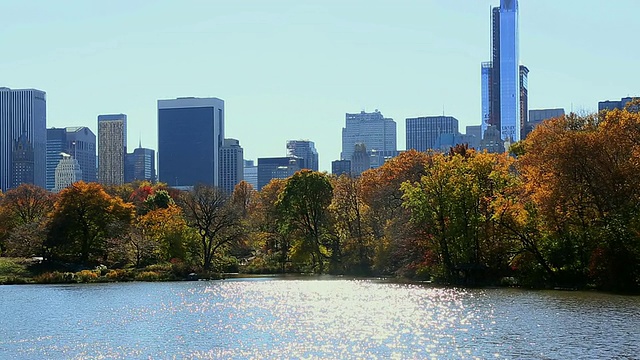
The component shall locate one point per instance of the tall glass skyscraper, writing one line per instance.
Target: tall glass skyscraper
(509, 71)
(23, 137)
(504, 81)
(77, 141)
(306, 150)
(190, 135)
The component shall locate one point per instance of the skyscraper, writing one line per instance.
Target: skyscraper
(67, 172)
(306, 150)
(423, 132)
(611, 105)
(140, 165)
(112, 148)
(23, 125)
(190, 135)
(371, 129)
(504, 81)
(250, 173)
(77, 141)
(231, 164)
(277, 168)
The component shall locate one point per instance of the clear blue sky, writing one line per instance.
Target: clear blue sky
(291, 69)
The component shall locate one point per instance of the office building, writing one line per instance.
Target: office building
(340, 167)
(80, 143)
(371, 129)
(611, 105)
(536, 117)
(140, 165)
(190, 136)
(112, 148)
(250, 173)
(67, 172)
(360, 159)
(423, 132)
(231, 164)
(504, 82)
(23, 137)
(277, 168)
(306, 150)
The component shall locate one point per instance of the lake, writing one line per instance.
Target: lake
(312, 318)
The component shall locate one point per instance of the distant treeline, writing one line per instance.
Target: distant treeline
(561, 210)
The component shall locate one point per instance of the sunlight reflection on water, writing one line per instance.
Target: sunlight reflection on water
(312, 318)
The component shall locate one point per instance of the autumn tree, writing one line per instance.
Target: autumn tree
(303, 205)
(83, 220)
(270, 237)
(349, 211)
(210, 212)
(23, 216)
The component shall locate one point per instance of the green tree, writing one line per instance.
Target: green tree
(304, 203)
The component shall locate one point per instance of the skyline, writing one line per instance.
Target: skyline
(291, 70)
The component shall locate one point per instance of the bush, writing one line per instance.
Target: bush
(86, 276)
(148, 276)
(55, 277)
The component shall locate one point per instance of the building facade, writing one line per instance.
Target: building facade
(250, 173)
(372, 129)
(140, 165)
(306, 150)
(277, 168)
(231, 164)
(340, 167)
(536, 117)
(360, 159)
(504, 81)
(423, 132)
(112, 148)
(67, 172)
(620, 105)
(23, 137)
(80, 143)
(190, 136)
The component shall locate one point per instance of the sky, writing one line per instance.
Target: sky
(291, 69)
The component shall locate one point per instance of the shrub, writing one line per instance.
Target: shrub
(86, 276)
(55, 277)
(148, 276)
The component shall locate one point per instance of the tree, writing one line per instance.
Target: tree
(209, 211)
(304, 203)
(84, 218)
(348, 211)
(23, 214)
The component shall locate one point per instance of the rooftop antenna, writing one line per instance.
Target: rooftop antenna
(140, 141)
(442, 109)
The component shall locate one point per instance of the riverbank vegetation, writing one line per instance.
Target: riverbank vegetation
(562, 210)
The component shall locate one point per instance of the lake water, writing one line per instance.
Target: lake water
(313, 318)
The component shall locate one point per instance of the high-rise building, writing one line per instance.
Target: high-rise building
(112, 148)
(140, 165)
(77, 141)
(81, 143)
(360, 159)
(190, 135)
(611, 105)
(306, 150)
(423, 132)
(524, 99)
(23, 137)
(339, 167)
(67, 172)
(277, 168)
(231, 164)
(372, 129)
(250, 173)
(504, 81)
